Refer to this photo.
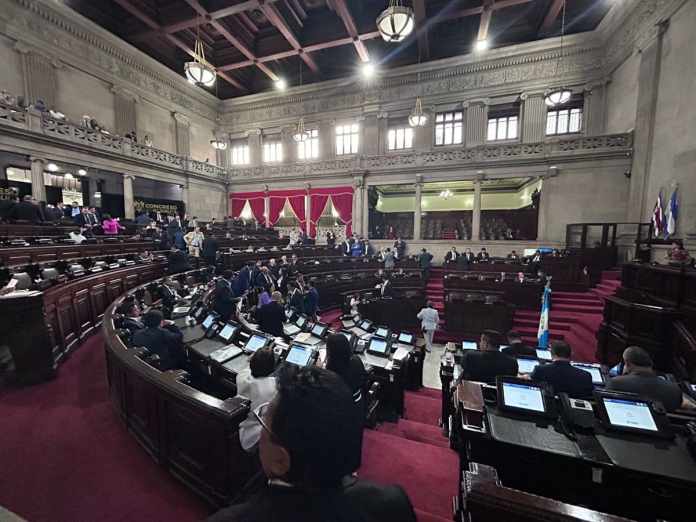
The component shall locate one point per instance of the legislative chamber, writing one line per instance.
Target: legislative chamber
(345, 261)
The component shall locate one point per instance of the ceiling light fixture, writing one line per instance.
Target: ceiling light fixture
(446, 194)
(218, 144)
(199, 71)
(52, 167)
(82, 172)
(368, 70)
(300, 135)
(68, 176)
(418, 118)
(482, 45)
(560, 95)
(396, 22)
(281, 84)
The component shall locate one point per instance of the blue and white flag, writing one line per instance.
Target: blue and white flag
(543, 333)
(671, 214)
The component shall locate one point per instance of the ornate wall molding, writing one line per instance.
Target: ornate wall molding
(62, 34)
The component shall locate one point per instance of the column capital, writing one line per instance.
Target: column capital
(124, 93)
(531, 94)
(476, 101)
(180, 118)
(34, 159)
(129, 177)
(253, 132)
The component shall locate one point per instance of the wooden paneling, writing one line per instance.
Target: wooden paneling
(141, 408)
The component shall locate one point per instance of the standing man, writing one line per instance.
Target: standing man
(311, 301)
(452, 256)
(429, 319)
(209, 248)
(388, 258)
(424, 260)
(400, 247)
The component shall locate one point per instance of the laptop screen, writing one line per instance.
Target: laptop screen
(629, 414)
(527, 365)
(469, 345)
(365, 325)
(301, 321)
(523, 396)
(406, 338)
(593, 370)
(228, 332)
(381, 332)
(544, 355)
(208, 321)
(319, 330)
(378, 345)
(299, 355)
(255, 342)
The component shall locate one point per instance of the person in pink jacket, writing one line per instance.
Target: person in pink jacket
(111, 226)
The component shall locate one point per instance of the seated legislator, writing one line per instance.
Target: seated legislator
(486, 363)
(513, 256)
(257, 384)
(639, 377)
(563, 377)
(516, 347)
(161, 338)
(223, 298)
(483, 256)
(272, 315)
(451, 256)
(132, 319)
(310, 431)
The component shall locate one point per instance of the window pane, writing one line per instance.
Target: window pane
(354, 144)
(408, 138)
(551, 122)
(457, 133)
(439, 135)
(512, 128)
(458, 116)
(562, 122)
(492, 130)
(575, 119)
(448, 116)
(448, 134)
(354, 128)
(502, 128)
(391, 139)
(439, 118)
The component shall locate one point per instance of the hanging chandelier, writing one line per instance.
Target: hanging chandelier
(396, 22)
(560, 95)
(199, 71)
(218, 144)
(301, 133)
(418, 118)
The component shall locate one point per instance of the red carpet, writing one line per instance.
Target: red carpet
(415, 455)
(67, 457)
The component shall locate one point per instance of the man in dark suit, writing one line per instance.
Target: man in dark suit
(264, 279)
(639, 377)
(26, 210)
(487, 362)
(178, 261)
(161, 338)
(563, 377)
(483, 256)
(272, 315)
(386, 288)
(451, 256)
(7, 206)
(400, 247)
(516, 348)
(314, 409)
(311, 300)
(209, 249)
(132, 319)
(424, 260)
(244, 280)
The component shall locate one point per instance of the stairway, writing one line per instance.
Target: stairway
(575, 317)
(435, 292)
(414, 454)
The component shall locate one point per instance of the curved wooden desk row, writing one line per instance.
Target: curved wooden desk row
(41, 329)
(192, 434)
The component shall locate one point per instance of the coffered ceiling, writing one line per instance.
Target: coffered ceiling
(252, 43)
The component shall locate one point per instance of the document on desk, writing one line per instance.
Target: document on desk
(400, 354)
(303, 337)
(20, 293)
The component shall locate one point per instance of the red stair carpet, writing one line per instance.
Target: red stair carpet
(414, 453)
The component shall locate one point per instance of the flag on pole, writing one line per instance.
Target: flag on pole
(672, 213)
(543, 333)
(657, 218)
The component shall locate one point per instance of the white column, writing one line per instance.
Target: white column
(476, 218)
(38, 185)
(182, 126)
(417, 211)
(476, 122)
(124, 111)
(357, 204)
(128, 207)
(267, 208)
(255, 152)
(533, 117)
(308, 210)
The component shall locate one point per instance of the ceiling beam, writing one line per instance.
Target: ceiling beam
(154, 25)
(552, 14)
(344, 13)
(293, 52)
(473, 11)
(227, 34)
(485, 22)
(421, 29)
(279, 22)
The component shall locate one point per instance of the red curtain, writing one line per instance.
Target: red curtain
(318, 204)
(297, 203)
(257, 209)
(343, 203)
(239, 199)
(276, 205)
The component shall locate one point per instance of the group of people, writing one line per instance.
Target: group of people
(463, 260)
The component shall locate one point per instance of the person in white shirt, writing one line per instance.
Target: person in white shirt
(429, 320)
(76, 236)
(258, 385)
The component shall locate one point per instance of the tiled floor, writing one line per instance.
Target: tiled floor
(431, 367)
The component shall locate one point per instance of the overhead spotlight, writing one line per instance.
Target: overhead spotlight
(82, 172)
(52, 167)
(281, 84)
(482, 45)
(68, 175)
(368, 70)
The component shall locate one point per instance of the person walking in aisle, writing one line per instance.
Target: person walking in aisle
(429, 320)
(424, 259)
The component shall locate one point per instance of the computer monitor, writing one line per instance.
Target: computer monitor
(378, 346)
(593, 369)
(254, 343)
(228, 332)
(521, 396)
(319, 330)
(382, 331)
(629, 414)
(406, 338)
(365, 325)
(526, 365)
(301, 321)
(299, 355)
(543, 355)
(209, 321)
(469, 345)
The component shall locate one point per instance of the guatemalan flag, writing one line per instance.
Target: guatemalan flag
(543, 333)
(658, 216)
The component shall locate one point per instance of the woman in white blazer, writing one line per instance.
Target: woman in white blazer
(429, 320)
